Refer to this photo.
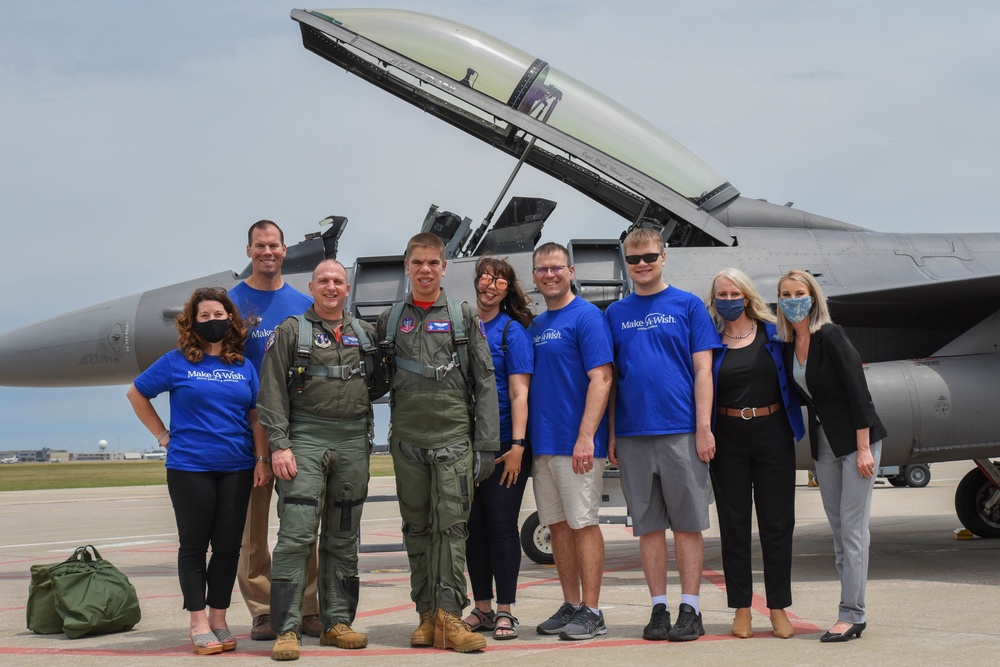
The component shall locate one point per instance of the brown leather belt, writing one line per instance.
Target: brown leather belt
(750, 413)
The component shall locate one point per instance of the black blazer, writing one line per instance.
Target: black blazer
(840, 398)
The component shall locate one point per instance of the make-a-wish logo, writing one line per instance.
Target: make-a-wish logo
(546, 336)
(651, 321)
(218, 375)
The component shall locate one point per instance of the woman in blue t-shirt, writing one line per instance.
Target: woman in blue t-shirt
(493, 550)
(216, 451)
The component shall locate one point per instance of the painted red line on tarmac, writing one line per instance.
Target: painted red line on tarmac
(759, 604)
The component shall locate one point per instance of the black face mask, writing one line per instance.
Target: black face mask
(212, 330)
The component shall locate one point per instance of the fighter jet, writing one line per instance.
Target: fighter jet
(922, 309)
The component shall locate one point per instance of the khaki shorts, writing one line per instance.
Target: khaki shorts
(562, 495)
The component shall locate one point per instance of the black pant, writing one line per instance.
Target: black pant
(755, 464)
(210, 508)
(493, 548)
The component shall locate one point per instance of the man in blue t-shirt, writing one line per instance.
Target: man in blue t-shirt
(264, 301)
(568, 426)
(661, 427)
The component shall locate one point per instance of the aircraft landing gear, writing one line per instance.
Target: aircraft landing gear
(977, 499)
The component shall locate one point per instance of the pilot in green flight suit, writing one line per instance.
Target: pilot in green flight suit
(314, 402)
(444, 438)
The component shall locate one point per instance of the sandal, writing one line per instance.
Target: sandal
(485, 620)
(206, 644)
(509, 630)
(226, 638)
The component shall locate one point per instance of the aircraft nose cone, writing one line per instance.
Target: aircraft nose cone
(90, 346)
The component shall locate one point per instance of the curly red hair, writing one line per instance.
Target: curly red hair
(193, 346)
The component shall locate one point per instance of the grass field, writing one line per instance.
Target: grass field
(30, 476)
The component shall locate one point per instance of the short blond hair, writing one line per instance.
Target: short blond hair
(642, 236)
(819, 314)
(756, 309)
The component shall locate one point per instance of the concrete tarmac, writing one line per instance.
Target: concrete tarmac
(932, 599)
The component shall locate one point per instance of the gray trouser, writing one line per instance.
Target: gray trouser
(847, 499)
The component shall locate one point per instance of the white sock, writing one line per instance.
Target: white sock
(660, 599)
(691, 600)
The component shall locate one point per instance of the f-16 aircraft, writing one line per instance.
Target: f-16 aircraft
(922, 309)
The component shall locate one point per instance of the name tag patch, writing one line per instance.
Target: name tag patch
(439, 326)
(406, 325)
(350, 341)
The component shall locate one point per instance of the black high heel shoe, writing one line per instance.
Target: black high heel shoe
(849, 634)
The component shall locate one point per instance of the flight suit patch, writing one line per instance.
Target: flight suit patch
(322, 340)
(439, 326)
(406, 326)
(350, 341)
(271, 338)
(482, 328)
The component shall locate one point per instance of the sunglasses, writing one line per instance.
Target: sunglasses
(648, 257)
(485, 280)
(543, 271)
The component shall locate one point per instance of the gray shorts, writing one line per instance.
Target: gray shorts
(666, 486)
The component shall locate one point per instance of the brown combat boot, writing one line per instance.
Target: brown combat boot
(424, 634)
(342, 636)
(286, 646)
(450, 631)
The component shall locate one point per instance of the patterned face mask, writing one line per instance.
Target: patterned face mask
(796, 309)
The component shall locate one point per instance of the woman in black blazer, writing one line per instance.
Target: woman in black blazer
(845, 434)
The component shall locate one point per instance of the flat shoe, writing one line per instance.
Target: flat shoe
(484, 620)
(742, 624)
(226, 638)
(206, 644)
(782, 626)
(509, 631)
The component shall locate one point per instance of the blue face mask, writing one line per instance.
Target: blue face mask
(729, 309)
(796, 309)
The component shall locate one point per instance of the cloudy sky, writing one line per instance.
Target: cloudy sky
(139, 140)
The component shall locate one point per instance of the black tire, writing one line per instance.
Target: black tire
(537, 541)
(918, 475)
(970, 497)
(896, 480)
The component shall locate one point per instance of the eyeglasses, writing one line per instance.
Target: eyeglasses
(648, 257)
(485, 280)
(542, 271)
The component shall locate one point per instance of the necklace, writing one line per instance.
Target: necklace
(753, 327)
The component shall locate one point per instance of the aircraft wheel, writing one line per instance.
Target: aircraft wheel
(971, 496)
(896, 480)
(536, 540)
(917, 475)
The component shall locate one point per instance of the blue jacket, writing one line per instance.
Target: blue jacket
(789, 396)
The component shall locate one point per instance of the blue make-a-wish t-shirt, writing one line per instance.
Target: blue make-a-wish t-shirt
(209, 402)
(655, 337)
(518, 360)
(568, 343)
(263, 311)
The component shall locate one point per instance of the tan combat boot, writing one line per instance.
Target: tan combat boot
(424, 634)
(450, 631)
(342, 636)
(286, 646)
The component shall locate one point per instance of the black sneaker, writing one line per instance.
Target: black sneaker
(659, 624)
(688, 625)
(555, 624)
(585, 625)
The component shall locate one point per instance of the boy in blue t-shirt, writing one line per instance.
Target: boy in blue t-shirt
(661, 427)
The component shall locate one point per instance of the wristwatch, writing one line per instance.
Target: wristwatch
(261, 458)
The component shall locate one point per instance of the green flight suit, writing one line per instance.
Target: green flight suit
(326, 425)
(432, 439)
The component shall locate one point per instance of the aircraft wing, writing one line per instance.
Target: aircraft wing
(523, 106)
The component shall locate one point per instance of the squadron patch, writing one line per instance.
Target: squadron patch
(322, 340)
(406, 325)
(482, 327)
(269, 343)
(439, 326)
(350, 341)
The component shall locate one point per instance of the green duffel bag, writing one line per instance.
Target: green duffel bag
(42, 615)
(89, 594)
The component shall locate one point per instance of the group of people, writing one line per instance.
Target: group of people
(270, 388)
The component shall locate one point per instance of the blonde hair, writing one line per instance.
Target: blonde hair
(819, 314)
(643, 236)
(756, 308)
